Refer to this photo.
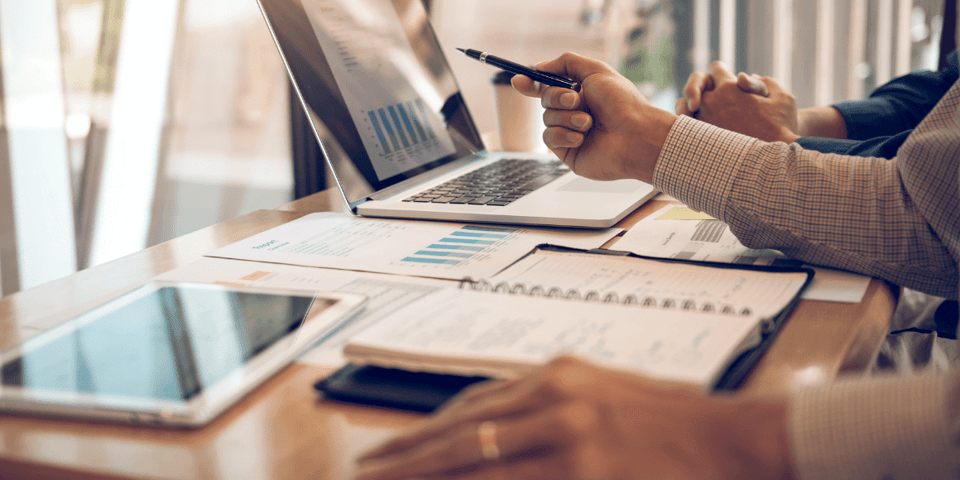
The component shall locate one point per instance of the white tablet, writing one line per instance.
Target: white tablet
(168, 353)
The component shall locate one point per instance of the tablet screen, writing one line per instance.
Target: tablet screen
(168, 344)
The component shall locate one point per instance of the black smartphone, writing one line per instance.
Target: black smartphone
(388, 387)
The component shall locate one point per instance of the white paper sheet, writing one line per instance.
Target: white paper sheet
(676, 231)
(419, 248)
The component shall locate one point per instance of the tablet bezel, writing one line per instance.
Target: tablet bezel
(213, 399)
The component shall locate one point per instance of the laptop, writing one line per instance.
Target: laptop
(395, 131)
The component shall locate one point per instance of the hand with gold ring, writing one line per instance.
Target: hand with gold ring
(487, 435)
(574, 420)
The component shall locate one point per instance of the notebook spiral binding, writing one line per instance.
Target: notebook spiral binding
(595, 296)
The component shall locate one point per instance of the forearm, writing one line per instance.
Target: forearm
(893, 428)
(822, 209)
(829, 210)
(898, 105)
(826, 122)
(758, 442)
(879, 147)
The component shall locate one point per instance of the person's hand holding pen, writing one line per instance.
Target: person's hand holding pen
(607, 130)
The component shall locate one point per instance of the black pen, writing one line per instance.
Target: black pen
(545, 78)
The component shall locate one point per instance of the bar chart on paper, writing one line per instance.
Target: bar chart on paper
(427, 249)
(679, 232)
(459, 245)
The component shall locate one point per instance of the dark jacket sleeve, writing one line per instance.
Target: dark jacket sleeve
(878, 125)
(881, 147)
(899, 104)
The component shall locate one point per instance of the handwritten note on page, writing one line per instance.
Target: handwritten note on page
(473, 333)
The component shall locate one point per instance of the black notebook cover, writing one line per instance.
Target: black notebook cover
(424, 392)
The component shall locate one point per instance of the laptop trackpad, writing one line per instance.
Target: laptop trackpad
(581, 184)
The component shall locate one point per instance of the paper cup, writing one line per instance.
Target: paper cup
(519, 118)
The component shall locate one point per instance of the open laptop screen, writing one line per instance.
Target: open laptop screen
(373, 72)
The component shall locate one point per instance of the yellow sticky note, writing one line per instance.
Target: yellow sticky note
(684, 213)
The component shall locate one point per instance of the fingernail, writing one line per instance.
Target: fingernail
(574, 137)
(690, 106)
(568, 99)
(580, 120)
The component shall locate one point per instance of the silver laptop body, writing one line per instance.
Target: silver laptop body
(392, 123)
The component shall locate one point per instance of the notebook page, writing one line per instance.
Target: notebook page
(478, 333)
(664, 284)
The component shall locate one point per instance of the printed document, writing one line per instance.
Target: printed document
(405, 247)
(676, 231)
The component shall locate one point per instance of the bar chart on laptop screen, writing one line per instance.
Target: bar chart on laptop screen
(399, 128)
(389, 93)
(460, 245)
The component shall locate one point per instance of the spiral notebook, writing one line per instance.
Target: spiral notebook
(620, 277)
(701, 324)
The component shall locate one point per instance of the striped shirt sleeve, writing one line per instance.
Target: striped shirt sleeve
(895, 219)
(821, 208)
(878, 429)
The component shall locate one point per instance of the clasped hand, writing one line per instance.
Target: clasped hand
(747, 104)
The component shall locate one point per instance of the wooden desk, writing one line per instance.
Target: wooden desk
(281, 430)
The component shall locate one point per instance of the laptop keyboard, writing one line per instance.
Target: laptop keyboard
(497, 184)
